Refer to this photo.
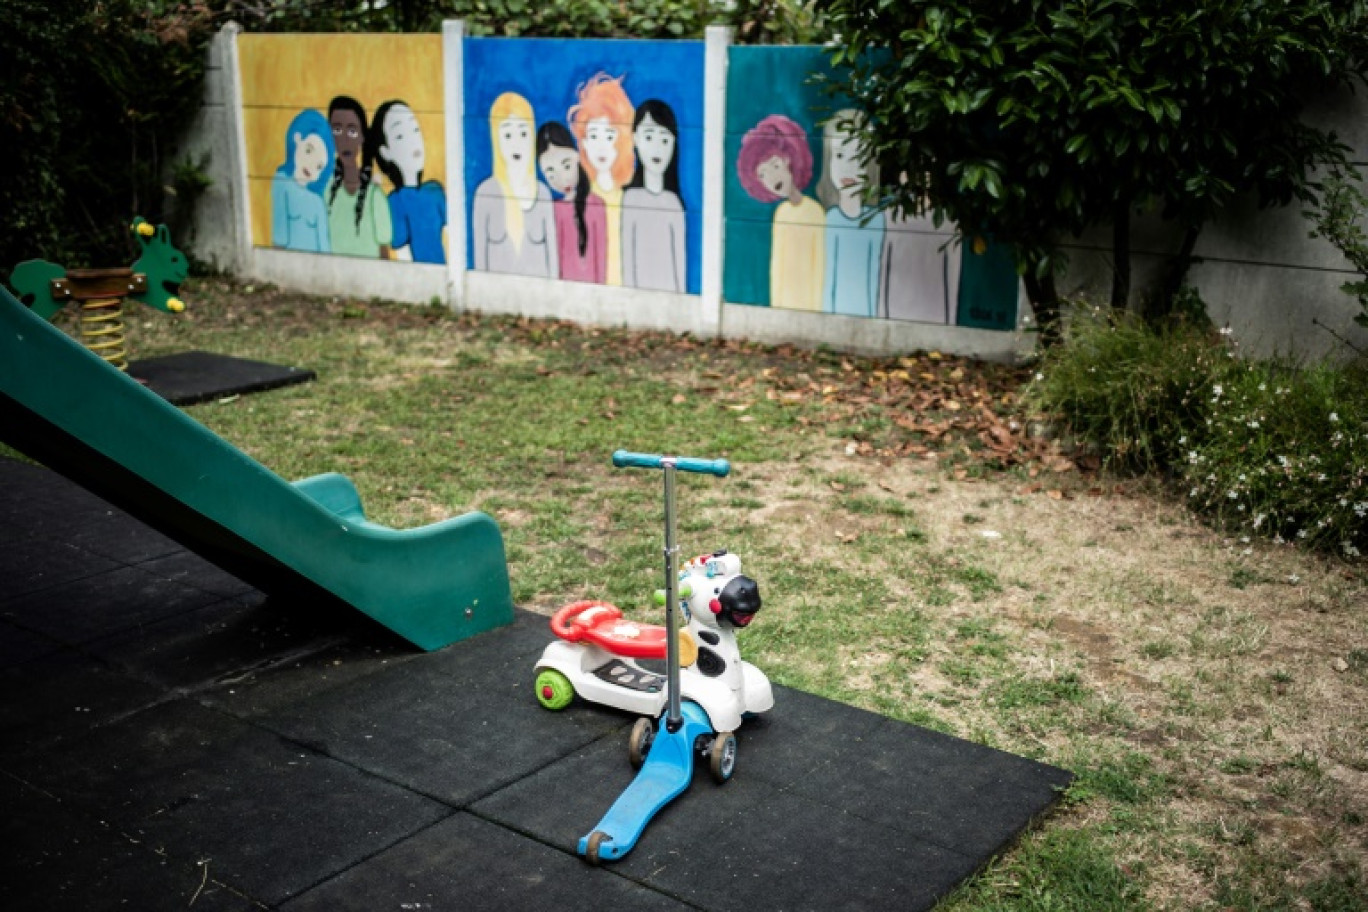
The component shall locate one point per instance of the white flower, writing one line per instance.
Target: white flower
(1294, 579)
(1194, 456)
(1226, 330)
(1263, 387)
(1301, 533)
(1258, 520)
(1232, 494)
(1334, 416)
(1217, 390)
(1182, 440)
(1253, 424)
(1040, 376)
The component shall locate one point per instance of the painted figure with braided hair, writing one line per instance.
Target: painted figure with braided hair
(358, 213)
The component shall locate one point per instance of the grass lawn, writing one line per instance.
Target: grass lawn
(918, 554)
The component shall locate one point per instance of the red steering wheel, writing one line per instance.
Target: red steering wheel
(571, 623)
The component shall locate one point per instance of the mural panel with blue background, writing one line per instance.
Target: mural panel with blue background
(626, 230)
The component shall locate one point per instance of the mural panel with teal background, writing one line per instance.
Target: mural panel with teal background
(797, 234)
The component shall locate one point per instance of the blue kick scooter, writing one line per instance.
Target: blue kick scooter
(666, 754)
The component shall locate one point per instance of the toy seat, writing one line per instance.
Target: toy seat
(601, 623)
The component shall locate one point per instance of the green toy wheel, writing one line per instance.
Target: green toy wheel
(554, 690)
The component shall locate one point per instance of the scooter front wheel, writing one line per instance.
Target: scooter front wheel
(639, 745)
(722, 757)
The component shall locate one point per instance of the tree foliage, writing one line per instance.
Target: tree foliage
(1340, 220)
(756, 21)
(1034, 120)
(92, 99)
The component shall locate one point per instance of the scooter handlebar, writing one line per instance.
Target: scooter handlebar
(719, 467)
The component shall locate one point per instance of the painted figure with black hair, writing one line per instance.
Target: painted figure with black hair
(417, 207)
(581, 219)
(358, 213)
(653, 226)
(299, 219)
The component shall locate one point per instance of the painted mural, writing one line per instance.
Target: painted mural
(586, 159)
(361, 169)
(800, 231)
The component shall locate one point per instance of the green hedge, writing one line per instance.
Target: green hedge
(1264, 448)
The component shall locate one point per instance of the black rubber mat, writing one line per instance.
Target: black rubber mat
(168, 736)
(199, 376)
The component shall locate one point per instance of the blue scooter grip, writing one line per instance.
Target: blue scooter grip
(719, 467)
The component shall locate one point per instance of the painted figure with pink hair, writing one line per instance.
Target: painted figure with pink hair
(775, 165)
(602, 122)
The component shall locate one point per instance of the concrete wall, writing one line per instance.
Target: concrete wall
(218, 231)
(1276, 289)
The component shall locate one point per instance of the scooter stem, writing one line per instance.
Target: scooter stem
(673, 716)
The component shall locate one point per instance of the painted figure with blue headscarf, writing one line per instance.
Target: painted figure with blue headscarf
(299, 216)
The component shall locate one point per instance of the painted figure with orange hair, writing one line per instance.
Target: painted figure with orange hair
(602, 122)
(513, 224)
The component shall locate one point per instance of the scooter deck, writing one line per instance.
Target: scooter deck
(667, 772)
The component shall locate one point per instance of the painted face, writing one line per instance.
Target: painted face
(847, 171)
(515, 143)
(404, 141)
(560, 167)
(310, 158)
(655, 145)
(599, 139)
(347, 135)
(775, 173)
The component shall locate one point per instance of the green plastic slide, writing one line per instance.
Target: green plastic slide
(68, 409)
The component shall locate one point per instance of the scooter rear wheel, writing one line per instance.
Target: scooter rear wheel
(591, 851)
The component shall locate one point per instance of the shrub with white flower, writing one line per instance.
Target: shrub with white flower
(1272, 449)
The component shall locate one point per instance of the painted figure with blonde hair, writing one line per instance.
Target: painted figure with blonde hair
(602, 122)
(513, 225)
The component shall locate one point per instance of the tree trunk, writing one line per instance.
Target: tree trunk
(1121, 258)
(1045, 300)
(1174, 275)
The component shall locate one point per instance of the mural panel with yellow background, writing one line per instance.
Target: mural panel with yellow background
(284, 74)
